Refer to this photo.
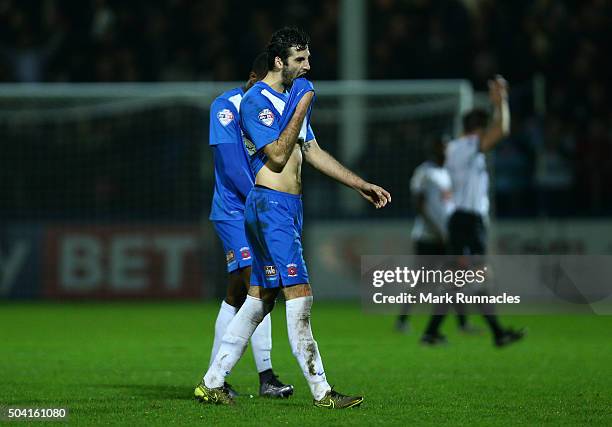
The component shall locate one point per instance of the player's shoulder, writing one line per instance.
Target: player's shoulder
(229, 99)
(420, 173)
(262, 94)
(257, 99)
(424, 168)
(255, 92)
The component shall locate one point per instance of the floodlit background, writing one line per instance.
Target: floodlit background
(106, 180)
(104, 131)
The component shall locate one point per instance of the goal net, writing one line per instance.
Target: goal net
(99, 154)
(139, 151)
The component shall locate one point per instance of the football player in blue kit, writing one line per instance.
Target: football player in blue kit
(275, 115)
(233, 182)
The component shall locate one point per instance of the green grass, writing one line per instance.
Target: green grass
(137, 364)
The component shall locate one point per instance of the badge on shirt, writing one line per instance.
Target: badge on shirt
(245, 253)
(292, 270)
(266, 116)
(225, 117)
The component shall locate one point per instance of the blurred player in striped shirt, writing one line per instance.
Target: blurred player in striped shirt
(466, 164)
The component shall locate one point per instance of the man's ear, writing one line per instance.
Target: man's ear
(278, 62)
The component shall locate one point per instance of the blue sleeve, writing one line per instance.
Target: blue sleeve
(226, 156)
(300, 87)
(224, 126)
(309, 134)
(259, 120)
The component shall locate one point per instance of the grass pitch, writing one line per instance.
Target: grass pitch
(137, 364)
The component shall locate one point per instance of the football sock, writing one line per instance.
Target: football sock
(304, 347)
(226, 314)
(261, 343)
(234, 341)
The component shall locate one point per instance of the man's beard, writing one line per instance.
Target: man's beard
(287, 78)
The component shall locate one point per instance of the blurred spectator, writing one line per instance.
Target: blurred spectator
(554, 176)
(567, 42)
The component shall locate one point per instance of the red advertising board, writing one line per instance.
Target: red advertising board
(123, 262)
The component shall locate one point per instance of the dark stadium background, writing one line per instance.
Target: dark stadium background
(563, 41)
(115, 208)
(554, 165)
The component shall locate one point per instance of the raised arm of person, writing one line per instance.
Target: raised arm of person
(500, 125)
(279, 151)
(328, 165)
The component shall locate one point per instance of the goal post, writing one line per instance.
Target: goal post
(108, 186)
(378, 128)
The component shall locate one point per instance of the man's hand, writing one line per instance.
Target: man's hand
(374, 194)
(498, 90)
(500, 126)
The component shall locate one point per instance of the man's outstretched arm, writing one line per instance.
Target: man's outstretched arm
(327, 164)
(500, 125)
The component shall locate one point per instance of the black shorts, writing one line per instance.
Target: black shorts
(467, 234)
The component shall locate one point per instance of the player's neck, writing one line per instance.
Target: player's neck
(275, 81)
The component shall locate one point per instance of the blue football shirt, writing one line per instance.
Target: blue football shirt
(261, 120)
(233, 176)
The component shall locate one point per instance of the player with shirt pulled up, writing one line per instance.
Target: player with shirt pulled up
(233, 182)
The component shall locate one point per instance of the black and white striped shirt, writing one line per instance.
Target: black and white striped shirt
(468, 170)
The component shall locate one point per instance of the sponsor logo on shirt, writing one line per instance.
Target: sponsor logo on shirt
(230, 257)
(245, 253)
(225, 117)
(270, 271)
(266, 116)
(248, 144)
(292, 270)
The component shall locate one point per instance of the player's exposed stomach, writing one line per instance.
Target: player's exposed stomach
(287, 181)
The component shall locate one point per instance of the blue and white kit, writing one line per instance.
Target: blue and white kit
(273, 219)
(233, 179)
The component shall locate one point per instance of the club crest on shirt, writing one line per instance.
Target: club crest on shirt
(225, 117)
(266, 116)
(270, 271)
(292, 270)
(230, 257)
(245, 253)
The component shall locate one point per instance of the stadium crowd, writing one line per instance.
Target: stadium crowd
(555, 162)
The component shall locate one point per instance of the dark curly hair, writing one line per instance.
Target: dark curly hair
(260, 65)
(284, 39)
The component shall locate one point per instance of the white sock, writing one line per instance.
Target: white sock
(226, 314)
(304, 347)
(261, 343)
(235, 341)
